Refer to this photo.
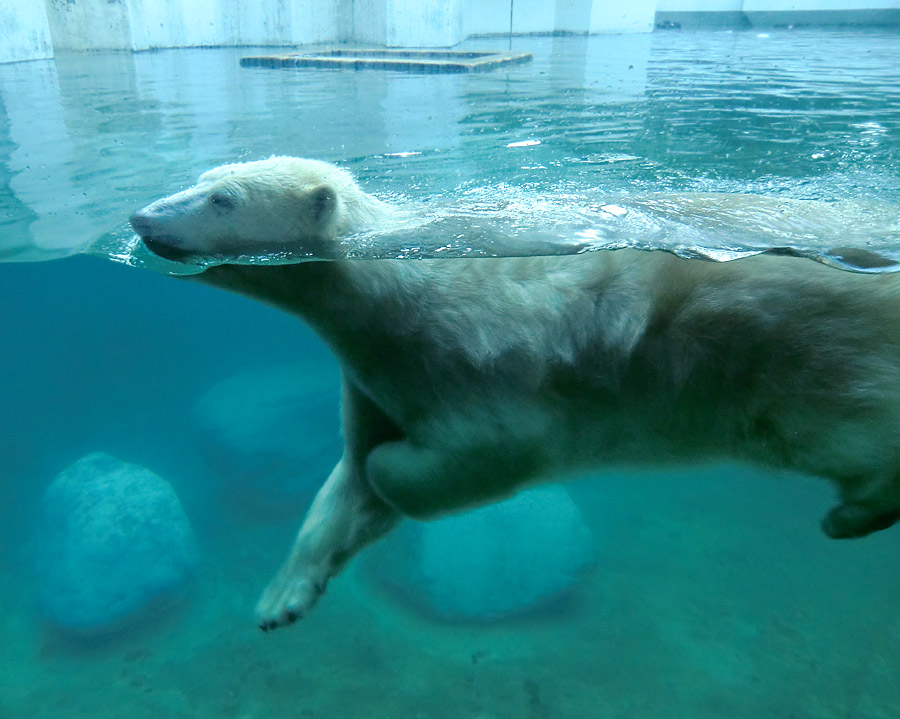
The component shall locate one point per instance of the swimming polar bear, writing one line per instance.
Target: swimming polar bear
(464, 380)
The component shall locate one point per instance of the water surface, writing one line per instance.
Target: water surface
(805, 116)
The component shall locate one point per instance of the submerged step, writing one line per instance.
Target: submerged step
(424, 61)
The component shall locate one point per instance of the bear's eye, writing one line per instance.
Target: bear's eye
(221, 202)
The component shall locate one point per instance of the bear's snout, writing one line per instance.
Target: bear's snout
(161, 244)
(141, 224)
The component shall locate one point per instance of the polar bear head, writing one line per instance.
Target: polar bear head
(253, 208)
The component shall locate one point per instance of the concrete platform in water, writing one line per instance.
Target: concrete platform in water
(420, 61)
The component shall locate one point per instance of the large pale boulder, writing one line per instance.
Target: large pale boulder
(497, 561)
(272, 436)
(112, 538)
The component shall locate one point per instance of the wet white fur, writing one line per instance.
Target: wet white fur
(202, 219)
(466, 379)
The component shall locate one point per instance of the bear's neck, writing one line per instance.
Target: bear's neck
(341, 300)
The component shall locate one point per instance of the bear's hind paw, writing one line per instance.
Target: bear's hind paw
(853, 519)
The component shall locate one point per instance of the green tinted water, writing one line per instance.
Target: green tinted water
(715, 595)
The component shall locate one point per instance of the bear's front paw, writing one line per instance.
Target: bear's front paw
(285, 601)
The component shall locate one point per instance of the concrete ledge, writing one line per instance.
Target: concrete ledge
(701, 20)
(746, 19)
(823, 18)
(414, 61)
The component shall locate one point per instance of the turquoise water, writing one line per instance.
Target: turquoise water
(714, 595)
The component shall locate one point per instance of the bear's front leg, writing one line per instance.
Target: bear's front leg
(425, 483)
(344, 517)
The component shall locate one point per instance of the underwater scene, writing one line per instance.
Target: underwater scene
(161, 440)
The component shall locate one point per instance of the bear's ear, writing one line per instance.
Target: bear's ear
(323, 203)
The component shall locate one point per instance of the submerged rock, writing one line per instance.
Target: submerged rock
(272, 436)
(112, 538)
(501, 560)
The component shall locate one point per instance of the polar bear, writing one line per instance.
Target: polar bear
(466, 379)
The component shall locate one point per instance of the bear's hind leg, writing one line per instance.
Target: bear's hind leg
(344, 517)
(866, 508)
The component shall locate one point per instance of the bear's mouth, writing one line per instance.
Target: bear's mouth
(167, 248)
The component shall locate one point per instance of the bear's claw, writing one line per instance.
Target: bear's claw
(290, 618)
(285, 601)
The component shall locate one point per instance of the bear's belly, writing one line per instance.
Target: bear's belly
(489, 447)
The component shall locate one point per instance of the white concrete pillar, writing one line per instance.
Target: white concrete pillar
(24, 31)
(89, 25)
(423, 23)
(368, 21)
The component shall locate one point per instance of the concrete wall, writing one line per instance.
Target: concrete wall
(154, 23)
(423, 23)
(486, 17)
(534, 15)
(27, 27)
(612, 16)
(24, 32)
(575, 16)
(147, 24)
(817, 5)
(771, 5)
